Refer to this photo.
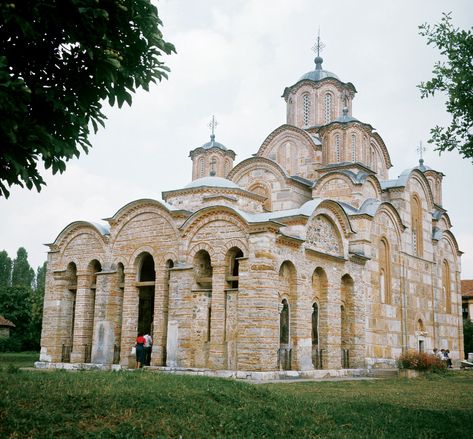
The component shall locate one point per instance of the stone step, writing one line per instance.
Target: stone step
(384, 373)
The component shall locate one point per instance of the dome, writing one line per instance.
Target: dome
(318, 73)
(345, 117)
(213, 144)
(212, 181)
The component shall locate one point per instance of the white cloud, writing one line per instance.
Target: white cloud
(234, 60)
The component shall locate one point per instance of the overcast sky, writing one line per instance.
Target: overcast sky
(234, 59)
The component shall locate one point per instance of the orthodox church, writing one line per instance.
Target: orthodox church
(305, 256)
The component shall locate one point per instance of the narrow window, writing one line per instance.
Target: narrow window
(306, 109)
(328, 108)
(201, 167)
(337, 148)
(353, 148)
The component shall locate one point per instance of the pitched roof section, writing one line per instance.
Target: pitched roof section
(6, 322)
(467, 287)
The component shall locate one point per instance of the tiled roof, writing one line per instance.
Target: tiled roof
(5, 322)
(467, 288)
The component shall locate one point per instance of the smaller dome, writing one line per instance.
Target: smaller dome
(212, 182)
(213, 144)
(345, 117)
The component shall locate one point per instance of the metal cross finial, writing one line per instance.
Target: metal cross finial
(318, 46)
(212, 125)
(420, 150)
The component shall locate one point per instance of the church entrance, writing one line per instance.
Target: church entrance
(146, 310)
(146, 293)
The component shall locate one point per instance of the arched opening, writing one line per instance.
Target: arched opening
(446, 286)
(416, 220)
(203, 289)
(384, 261)
(232, 278)
(337, 148)
(319, 317)
(287, 289)
(69, 309)
(120, 291)
(262, 190)
(201, 167)
(89, 309)
(146, 291)
(420, 333)
(347, 313)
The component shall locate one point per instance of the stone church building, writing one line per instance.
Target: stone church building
(304, 256)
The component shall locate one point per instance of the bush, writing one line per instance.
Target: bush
(421, 361)
(10, 344)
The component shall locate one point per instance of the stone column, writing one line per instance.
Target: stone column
(179, 342)
(84, 318)
(333, 353)
(104, 319)
(129, 319)
(217, 323)
(301, 336)
(55, 329)
(258, 315)
(161, 303)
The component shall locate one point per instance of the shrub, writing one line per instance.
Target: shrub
(421, 361)
(10, 344)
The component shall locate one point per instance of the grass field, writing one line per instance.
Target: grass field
(145, 404)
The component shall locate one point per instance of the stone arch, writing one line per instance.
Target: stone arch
(298, 134)
(427, 195)
(232, 259)
(214, 252)
(77, 227)
(125, 214)
(261, 188)
(330, 186)
(393, 215)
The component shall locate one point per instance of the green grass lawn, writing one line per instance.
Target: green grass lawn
(146, 404)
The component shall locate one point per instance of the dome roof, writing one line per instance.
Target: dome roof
(318, 73)
(213, 144)
(345, 117)
(212, 181)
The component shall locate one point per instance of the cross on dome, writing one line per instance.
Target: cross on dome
(212, 125)
(318, 46)
(420, 150)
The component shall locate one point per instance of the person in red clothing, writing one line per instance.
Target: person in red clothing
(140, 350)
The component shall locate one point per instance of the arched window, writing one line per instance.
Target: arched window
(353, 148)
(262, 190)
(416, 220)
(201, 167)
(328, 107)
(384, 271)
(306, 109)
(226, 167)
(337, 147)
(446, 286)
(363, 151)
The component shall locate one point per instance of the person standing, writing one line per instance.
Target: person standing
(140, 350)
(148, 347)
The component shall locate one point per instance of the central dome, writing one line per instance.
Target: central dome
(318, 73)
(213, 144)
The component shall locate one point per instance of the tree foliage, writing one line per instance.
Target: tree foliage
(59, 59)
(454, 76)
(467, 336)
(21, 299)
